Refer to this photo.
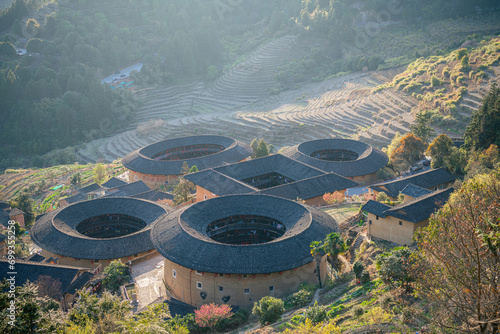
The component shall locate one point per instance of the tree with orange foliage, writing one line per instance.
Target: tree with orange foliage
(410, 150)
(457, 267)
(335, 197)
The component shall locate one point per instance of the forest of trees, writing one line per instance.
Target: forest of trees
(52, 98)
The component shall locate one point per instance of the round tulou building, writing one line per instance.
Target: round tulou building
(352, 159)
(91, 233)
(161, 163)
(237, 249)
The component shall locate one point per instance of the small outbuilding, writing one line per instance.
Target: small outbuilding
(433, 179)
(398, 224)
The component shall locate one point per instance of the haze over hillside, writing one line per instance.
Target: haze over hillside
(283, 70)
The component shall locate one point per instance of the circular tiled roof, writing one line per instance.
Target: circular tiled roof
(56, 231)
(181, 236)
(140, 160)
(369, 160)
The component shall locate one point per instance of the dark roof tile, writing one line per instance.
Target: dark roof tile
(181, 236)
(56, 231)
(369, 160)
(94, 187)
(31, 271)
(427, 179)
(113, 183)
(415, 191)
(154, 195)
(129, 189)
(308, 182)
(140, 160)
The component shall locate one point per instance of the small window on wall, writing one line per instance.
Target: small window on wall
(400, 222)
(369, 222)
(246, 291)
(205, 196)
(135, 177)
(221, 289)
(271, 288)
(199, 285)
(198, 272)
(376, 217)
(174, 273)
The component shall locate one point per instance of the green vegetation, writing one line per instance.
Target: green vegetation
(117, 274)
(268, 309)
(484, 127)
(440, 83)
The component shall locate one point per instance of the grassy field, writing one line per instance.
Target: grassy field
(343, 212)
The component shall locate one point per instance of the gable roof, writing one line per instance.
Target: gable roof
(427, 179)
(36, 258)
(218, 183)
(310, 188)
(75, 198)
(277, 163)
(154, 195)
(14, 212)
(415, 191)
(31, 271)
(90, 188)
(308, 182)
(4, 216)
(376, 208)
(79, 283)
(129, 189)
(414, 211)
(113, 183)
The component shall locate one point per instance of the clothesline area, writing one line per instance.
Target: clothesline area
(268, 180)
(110, 226)
(188, 152)
(245, 230)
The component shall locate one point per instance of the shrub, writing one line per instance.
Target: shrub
(385, 301)
(299, 298)
(234, 321)
(382, 197)
(316, 313)
(461, 53)
(117, 274)
(268, 309)
(358, 311)
(297, 319)
(435, 82)
(460, 80)
(365, 277)
(358, 269)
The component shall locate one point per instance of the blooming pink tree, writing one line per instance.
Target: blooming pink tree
(210, 315)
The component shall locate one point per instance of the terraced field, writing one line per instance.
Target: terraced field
(239, 104)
